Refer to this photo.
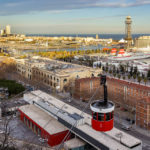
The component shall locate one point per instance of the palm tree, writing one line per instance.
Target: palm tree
(148, 74)
(114, 74)
(129, 76)
(145, 80)
(119, 76)
(139, 79)
(134, 76)
(110, 71)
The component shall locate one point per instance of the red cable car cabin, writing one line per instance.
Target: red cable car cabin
(102, 115)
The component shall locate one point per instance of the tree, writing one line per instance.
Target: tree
(145, 80)
(106, 69)
(143, 76)
(103, 68)
(131, 71)
(110, 71)
(122, 68)
(114, 69)
(134, 76)
(129, 76)
(135, 70)
(139, 79)
(138, 73)
(100, 65)
(114, 74)
(148, 74)
(117, 71)
(7, 143)
(119, 76)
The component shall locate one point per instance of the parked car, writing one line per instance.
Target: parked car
(126, 127)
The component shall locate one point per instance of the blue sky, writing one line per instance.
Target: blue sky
(74, 16)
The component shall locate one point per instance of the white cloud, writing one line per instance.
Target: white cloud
(59, 6)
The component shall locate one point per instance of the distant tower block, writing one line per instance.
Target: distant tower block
(128, 36)
(97, 37)
(8, 30)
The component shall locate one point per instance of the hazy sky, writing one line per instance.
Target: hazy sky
(74, 16)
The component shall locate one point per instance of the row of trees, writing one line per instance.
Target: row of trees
(124, 73)
(65, 54)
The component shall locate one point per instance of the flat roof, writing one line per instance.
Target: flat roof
(75, 142)
(111, 138)
(43, 119)
(39, 95)
(56, 66)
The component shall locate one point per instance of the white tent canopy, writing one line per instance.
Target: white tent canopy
(122, 41)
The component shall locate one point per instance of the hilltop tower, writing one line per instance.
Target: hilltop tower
(128, 36)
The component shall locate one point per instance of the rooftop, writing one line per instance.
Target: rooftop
(55, 66)
(43, 119)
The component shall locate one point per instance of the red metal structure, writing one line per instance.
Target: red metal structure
(102, 112)
(121, 51)
(113, 51)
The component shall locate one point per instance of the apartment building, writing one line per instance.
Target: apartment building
(121, 92)
(55, 74)
(143, 113)
(24, 67)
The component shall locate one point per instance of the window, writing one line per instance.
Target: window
(35, 128)
(39, 132)
(24, 119)
(112, 115)
(31, 124)
(92, 75)
(108, 116)
(94, 115)
(91, 85)
(77, 77)
(65, 80)
(28, 123)
(100, 117)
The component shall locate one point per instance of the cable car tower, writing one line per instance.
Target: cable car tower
(128, 36)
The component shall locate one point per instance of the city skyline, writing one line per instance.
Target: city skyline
(74, 17)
